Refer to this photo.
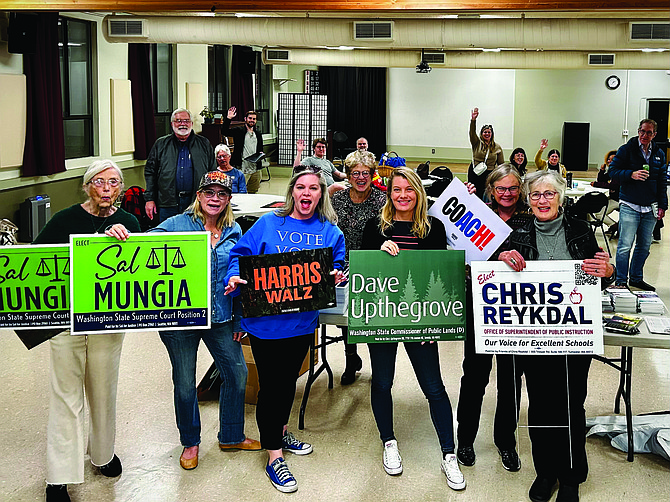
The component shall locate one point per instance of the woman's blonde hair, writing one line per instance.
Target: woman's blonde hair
(366, 159)
(226, 218)
(324, 209)
(500, 172)
(421, 224)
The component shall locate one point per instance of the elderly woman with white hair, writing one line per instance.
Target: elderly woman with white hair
(85, 365)
(222, 155)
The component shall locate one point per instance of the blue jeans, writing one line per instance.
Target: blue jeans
(638, 227)
(182, 346)
(426, 364)
(166, 212)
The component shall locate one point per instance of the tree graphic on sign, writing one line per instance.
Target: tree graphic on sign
(435, 291)
(409, 293)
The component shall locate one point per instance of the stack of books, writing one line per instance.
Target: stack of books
(649, 302)
(606, 300)
(623, 300)
(624, 324)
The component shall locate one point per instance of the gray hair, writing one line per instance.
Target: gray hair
(324, 209)
(221, 147)
(99, 166)
(366, 159)
(500, 172)
(180, 110)
(552, 178)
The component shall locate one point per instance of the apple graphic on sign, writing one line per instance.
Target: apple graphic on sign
(575, 296)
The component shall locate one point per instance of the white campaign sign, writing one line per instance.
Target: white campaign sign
(470, 224)
(550, 307)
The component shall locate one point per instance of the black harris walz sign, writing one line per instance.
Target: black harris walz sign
(284, 283)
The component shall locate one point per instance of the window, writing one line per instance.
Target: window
(263, 97)
(74, 44)
(218, 76)
(160, 62)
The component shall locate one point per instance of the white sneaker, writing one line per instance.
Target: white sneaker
(392, 459)
(455, 478)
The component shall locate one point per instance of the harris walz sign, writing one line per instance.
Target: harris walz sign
(284, 283)
(414, 296)
(149, 282)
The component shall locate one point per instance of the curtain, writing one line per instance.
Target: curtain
(241, 83)
(139, 74)
(45, 144)
(356, 105)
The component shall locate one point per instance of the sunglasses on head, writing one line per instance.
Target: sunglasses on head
(312, 169)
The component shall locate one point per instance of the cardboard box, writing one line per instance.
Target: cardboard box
(251, 392)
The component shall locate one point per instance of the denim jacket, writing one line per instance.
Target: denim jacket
(223, 309)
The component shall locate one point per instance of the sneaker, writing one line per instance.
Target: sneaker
(57, 493)
(466, 455)
(391, 458)
(455, 478)
(280, 477)
(510, 460)
(290, 443)
(642, 285)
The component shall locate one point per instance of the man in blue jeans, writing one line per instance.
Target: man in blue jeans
(639, 166)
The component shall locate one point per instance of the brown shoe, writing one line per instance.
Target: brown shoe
(248, 444)
(188, 463)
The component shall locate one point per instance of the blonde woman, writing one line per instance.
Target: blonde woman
(404, 224)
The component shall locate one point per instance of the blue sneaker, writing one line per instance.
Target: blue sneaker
(290, 443)
(280, 477)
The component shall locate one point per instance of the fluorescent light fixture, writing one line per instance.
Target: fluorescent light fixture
(653, 50)
(341, 48)
(248, 14)
(498, 49)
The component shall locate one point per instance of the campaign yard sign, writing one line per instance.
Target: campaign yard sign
(285, 283)
(470, 224)
(151, 281)
(35, 286)
(550, 307)
(414, 296)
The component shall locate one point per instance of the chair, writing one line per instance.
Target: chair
(441, 177)
(593, 204)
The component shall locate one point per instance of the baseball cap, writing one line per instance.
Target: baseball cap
(216, 178)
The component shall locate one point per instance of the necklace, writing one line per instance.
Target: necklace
(96, 230)
(549, 245)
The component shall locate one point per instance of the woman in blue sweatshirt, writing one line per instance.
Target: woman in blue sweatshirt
(280, 342)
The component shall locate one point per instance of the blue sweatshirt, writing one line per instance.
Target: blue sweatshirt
(276, 234)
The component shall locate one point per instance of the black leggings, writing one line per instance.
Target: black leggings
(278, 362)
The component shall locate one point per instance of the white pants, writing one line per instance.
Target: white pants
(78, 363)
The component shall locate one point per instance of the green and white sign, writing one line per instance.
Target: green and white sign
(35, 286)
(414, 296)
(149, 282)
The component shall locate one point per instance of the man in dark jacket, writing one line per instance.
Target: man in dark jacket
(246, 141)
(640, 168)
(175, 165)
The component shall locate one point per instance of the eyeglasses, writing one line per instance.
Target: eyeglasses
(301, 168)
(221, 194)
(101, 182)
(360, 174)
(549, 195)
(645, 133)
(181, 121)
(512, 190)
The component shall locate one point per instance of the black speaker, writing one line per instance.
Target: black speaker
(22, 33)
(575, 149)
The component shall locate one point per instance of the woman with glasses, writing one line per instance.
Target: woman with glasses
(85, 365)
(484, 150)
(222, 154)
(280, 342)
(504, 187)
(556, 416)
(553, 160)
(519, 160)
(404, 224)
(210, 212)
(354, 207)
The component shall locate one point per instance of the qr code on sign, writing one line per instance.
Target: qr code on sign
(582, 278)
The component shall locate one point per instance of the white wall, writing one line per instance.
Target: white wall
(192, 68)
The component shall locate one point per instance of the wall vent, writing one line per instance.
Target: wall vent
(644, 32)
(126, 27)
(373, 30)
(601, 59)
(434, 57)
(277, 56)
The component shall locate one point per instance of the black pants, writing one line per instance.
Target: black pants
(278, 363)
(478, 181)
(554, 383)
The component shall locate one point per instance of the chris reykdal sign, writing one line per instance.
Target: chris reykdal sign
(414, 296)
(550, 307)
(470, 224)
(282, 283)
(149, 282)
(35, 286)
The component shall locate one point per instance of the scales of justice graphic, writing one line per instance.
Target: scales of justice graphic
(154, 262)
(43, 269)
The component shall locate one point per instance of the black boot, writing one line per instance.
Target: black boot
(112, 469)
(354, 364)
(57, 493)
